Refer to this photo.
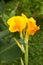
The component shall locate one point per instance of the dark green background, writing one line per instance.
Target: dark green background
(9, 52)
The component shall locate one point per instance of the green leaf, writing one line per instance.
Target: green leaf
(4, 33)
(12, 13)
(5, 18)
(9, 52)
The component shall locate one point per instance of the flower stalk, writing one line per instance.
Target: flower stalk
(26, 53)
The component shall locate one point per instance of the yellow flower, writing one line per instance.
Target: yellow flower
(16, 23)
(19, 23)
(31, 26)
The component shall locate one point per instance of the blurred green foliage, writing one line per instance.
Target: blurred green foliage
(9, 52)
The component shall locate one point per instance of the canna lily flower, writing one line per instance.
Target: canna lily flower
(17, 23)
(31, 27)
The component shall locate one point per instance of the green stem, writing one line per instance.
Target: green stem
(20, 46)
(26, 53)
(22, 63)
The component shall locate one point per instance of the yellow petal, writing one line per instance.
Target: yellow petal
(32, 20)
(32, 27)
(11, 21)
(16, 23)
